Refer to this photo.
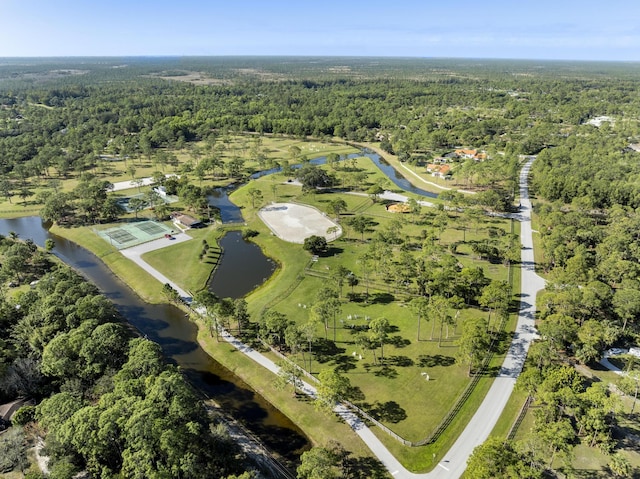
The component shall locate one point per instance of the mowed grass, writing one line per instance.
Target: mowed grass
(182, 263)
(320, 427)
(141, 282)
(398, 391)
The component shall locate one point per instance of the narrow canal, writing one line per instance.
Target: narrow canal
(168, 326)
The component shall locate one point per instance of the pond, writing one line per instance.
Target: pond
(242, 269)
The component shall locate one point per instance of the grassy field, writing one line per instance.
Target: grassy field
(320, 427)
(182, 262)
(397, 391)
(246, 147)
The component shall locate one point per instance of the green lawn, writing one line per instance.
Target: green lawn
(397, 392)
(182, 263)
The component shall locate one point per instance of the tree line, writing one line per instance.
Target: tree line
(107, 402)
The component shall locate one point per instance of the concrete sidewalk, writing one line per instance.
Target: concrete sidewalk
(135, 254)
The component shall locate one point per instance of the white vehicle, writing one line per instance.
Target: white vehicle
(617, 352)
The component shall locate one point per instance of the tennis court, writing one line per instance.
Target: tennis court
(124, 201)
(126, 235)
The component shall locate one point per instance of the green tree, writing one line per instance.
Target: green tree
(137, 204)
(379, 330)
(420, 307)
(414, 207)
(288, 373)
(360, 224)
(13, 450)
(319, 463)
(496, 296)
(338, 276)
(332, 160)
(49, 244)
(626, 303)
(438, 310)
(170, 293)
(473, 343)
(313, 177)
(628, 384)
(315, 244)
(255, 195)
(6, 189)
(273, 326)
(374, 192)
(557, 436)
(337, 206)
(620, 466)
(497, 459)
(332, 389)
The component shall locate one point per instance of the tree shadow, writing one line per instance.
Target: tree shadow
(389, 411)
(430, 361)
(399, 341)
(381, 298)
(345, 363)
(364, 468)
(355, 394)
(325, 350)
(588, 474)
(399, 361)
(332, 251)
(385, 371)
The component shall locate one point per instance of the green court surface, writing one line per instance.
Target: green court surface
(126, 235)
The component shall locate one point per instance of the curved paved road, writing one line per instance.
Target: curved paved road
(485, 418)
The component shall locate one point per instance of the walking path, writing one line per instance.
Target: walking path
(485, 418)
(135, 254)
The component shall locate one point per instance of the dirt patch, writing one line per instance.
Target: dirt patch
(293, 223)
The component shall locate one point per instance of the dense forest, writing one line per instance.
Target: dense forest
(62, 120)
(107, 401)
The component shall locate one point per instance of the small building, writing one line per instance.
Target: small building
(599, 120)
(441, 171)
(464, 153)
(186, 221)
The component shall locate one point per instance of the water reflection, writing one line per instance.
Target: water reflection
(169, 327)
(242, 269)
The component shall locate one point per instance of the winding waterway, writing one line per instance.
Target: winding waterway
(243, 268)
(168, 326)
(391, 173)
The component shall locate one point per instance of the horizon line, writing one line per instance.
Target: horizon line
(386, 57)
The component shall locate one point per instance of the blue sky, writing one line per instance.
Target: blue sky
(536, 29)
